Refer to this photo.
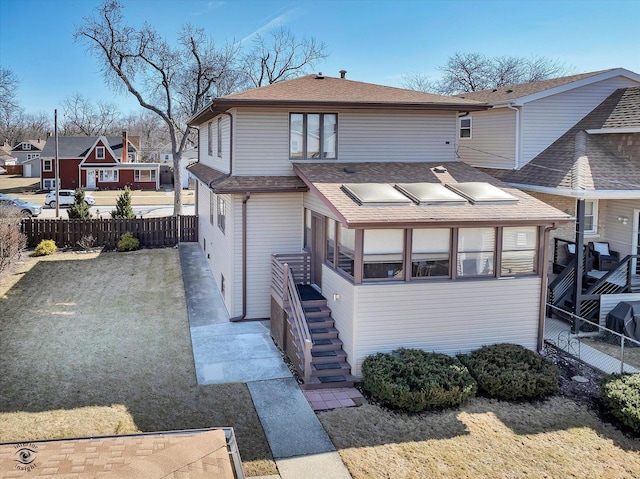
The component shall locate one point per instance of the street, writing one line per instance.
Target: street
(140, 210)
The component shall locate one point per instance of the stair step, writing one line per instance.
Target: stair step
(317, 312)
(338, 381)
(333, 344)
(321, 357)
(323, 333)
(314, 303)
(330, 369)
(323, 354)
(327, 366)
(321, 342)
(320, 322)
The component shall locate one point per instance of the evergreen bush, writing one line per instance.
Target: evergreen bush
(414, 380)
(512, 372)
(79, 209)
(621, 397)
(123, 205)
(45, 247)
(128, 242)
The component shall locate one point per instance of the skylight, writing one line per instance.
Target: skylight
(375, 194)
(482, 193)
(431, 194)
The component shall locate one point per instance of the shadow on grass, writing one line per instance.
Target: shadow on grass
(112, 330)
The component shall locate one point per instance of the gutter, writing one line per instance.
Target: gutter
(247, 196)
(517, 146)
(579, 194)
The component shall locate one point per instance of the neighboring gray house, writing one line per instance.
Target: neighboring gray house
(357, 188)
(27, 153)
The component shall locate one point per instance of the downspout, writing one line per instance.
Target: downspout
(517, 146)
(543, 286)
(247, 196)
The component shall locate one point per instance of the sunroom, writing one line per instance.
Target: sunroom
(436, 256)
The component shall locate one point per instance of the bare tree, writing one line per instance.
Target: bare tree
(148, 126)
(419, 82)
(10, 112)
(465, 72)
(170, 81)
(83, 117)
(280, 56)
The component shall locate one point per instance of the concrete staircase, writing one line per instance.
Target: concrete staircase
(329, 366)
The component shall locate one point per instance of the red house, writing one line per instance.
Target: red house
(97, 162)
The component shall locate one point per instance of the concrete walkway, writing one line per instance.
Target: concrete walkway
(226, 352)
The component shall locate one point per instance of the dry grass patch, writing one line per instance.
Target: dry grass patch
(631, 352)
(484, 439)
(101, 343)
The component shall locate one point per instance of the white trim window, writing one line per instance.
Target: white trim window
(212, 207)
(313, 136)
(100, 153)
(210, 138)
(49, 184)
(47, 165)
(465, 124)
(26, 146)
(31, 156)
(108, 176)
(144, 175)
(219, 138)
(221, 213)
(591, 217)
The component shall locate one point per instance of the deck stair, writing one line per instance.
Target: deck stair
(329, 367)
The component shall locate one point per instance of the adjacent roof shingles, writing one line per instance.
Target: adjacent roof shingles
(150, 456)
(579, 161)
(78, 146)
(222, 183)
(328, 178)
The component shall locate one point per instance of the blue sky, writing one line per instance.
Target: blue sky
(375, 41)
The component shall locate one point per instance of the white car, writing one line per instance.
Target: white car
(67, 197)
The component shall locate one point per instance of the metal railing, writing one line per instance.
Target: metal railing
(594, 344)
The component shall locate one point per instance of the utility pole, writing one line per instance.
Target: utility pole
(55, 132)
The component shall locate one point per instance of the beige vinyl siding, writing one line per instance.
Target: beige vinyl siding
(619, 236)
(493, 140)
(219, 248)
(342, 309)
(274, 225)
(213, 160)
(396, 136)
(262, 146)
(545, 120)
(312, 202)
(448, 317)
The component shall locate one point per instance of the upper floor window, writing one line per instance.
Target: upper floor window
(219, 139)
(31, 156)
(47, 165)
(313, 136)
(591, 216)
(465, 127)
(210, 138)
(100, 153)
(26, 146)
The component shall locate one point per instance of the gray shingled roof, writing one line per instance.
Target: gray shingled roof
(327, 180)
(580, 161)
(219, 182)
(78, 146)
(513, 92)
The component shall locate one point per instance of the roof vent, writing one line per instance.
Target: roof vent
(494, 90)
(343, 73)
(509, 91)
(440, 169)
(319, 76)
(349, 169)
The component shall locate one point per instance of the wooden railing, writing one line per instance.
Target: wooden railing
(287, 270)
(151, 232)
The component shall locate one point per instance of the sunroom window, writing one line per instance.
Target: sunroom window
(519, 247)
(382, 254)
(312, 136)
(346, 249)
(476, 251)
(430, 252)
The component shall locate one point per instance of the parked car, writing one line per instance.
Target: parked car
(26, 209)
(67, 197)
(2, 170)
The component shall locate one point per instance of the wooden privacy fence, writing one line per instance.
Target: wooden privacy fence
(151, 232)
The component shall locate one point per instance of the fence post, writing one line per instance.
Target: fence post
(621, 354)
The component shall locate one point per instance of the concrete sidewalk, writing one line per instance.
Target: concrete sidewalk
(226, 352)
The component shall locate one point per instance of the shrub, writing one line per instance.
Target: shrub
(123, 205)
(414, 380)
(46, 247)
(87, 242)
(128, 242)
(512, 372)
(621, 397)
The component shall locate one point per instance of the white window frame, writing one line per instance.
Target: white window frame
(112, 177)
(26, 146)
(210, 138)
(100, 152)
(219, 137)
(594, 215)
(465, 128)
(44, 165)
(32, 156)
(212, 206)
(137, 176)
(49, 181)
(221, 213)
